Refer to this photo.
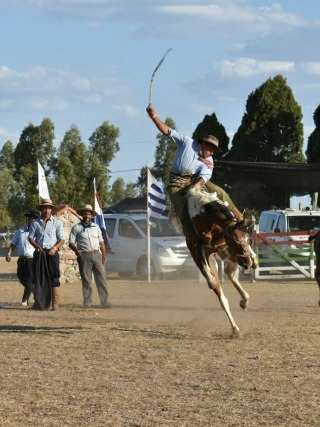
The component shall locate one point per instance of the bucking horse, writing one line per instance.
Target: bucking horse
(216, 231)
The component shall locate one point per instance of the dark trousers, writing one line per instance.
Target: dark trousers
(46, 277)
(25, 276)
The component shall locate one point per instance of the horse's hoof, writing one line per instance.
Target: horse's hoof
(236, 334)
(244, 305)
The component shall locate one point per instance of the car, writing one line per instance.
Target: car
(128, 233)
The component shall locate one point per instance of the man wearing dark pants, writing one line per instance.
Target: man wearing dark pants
(87, 242)
(46, 236)
(25, 261)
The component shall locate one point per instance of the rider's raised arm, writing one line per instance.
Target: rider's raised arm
(163, 128)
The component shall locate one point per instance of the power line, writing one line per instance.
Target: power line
(126, 170)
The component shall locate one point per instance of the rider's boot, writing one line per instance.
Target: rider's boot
(238, 215)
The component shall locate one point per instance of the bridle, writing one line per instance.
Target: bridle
(230, 239)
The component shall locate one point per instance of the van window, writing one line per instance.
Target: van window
(162, 228)
(110, 226)
(303, 223)
(126, 229)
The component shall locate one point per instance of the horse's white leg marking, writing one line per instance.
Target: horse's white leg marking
(255, 260)
(232, 271)
(212, 281)
(225, 306)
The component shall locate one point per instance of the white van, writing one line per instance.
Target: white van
(289, 220)
(128, 234)
(281, 221)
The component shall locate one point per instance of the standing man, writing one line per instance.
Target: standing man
(87, 242)
(191, 167)
(46, 236)
(25, 253)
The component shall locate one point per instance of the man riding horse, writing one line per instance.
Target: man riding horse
(211, 222)
(191, 167)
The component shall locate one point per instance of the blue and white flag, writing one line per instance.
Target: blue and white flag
(99, 220)
(156, 200)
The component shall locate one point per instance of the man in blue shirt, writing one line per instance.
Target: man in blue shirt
(46, 236)
(25, 253)
(88, 244)
(192, 166)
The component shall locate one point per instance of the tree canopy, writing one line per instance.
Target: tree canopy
(313, 147)
(271, 129)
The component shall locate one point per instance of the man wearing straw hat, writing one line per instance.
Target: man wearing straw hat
(46, 236)
(192, 166)
(87, 242)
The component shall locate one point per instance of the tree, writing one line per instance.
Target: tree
(313, 148)
(211, 126)
(165, 152)
(271, 129)
(120, 190)
(103, 147)
(71, 178)
(7, 156)
(35, 143)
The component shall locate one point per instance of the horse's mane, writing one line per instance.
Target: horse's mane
(200, 197)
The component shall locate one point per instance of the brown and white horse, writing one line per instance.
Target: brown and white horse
(216, 231)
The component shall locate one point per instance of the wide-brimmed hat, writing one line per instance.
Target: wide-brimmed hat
(86, 208)
(32, 214)
(210, 139)
(46, 203)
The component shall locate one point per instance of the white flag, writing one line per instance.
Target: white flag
(156, 200)
(42, 183)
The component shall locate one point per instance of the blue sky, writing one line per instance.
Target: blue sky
(84, 62)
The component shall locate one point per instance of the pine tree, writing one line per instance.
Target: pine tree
(271, 129)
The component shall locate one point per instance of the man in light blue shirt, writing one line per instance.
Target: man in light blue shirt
(192, 166)
(88, 244)
(25, 253)
(47, 236)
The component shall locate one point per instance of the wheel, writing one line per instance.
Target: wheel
(142, 268)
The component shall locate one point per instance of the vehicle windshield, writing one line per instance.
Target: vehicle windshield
(162, 228)
(303, 223)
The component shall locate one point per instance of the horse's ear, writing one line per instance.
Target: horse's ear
(248, 222)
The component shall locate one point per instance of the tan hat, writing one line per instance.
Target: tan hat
(46, 202)
(210, 139)
(86, 208)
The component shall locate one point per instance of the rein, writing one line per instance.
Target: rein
(237, 225)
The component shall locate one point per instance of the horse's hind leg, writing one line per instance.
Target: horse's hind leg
(232, 271)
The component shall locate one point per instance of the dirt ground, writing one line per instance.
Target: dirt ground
(161, 356)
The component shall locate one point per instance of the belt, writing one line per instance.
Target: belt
(91, 252)
(26, 257)
(180, 179)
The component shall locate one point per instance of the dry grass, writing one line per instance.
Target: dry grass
(162, 356)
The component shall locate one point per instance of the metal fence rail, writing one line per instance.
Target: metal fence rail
(284, 255)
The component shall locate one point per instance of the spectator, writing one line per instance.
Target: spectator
(87, 242)
(46, 236)
(25, 253)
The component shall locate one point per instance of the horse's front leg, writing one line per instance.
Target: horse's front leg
(232, 271)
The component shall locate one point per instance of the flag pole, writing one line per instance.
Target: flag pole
(148, 229)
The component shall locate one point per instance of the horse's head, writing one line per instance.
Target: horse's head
(237, 238)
